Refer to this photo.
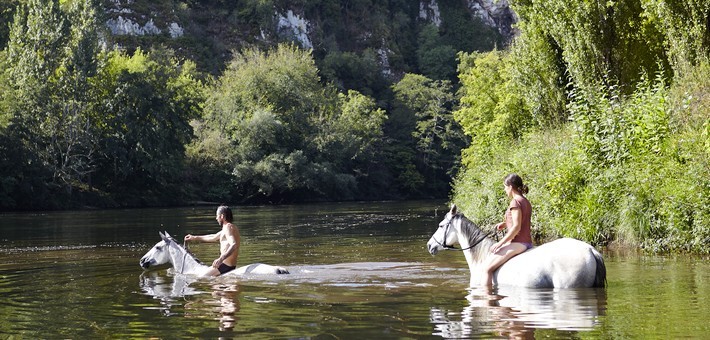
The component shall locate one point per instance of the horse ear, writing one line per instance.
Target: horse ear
(162, 236)
(453, 209)
(167, 235)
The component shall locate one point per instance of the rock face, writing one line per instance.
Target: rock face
(223, 29)
(495, 13)
(125, 20)
(294, 26)
(123, 26)
(429, 11)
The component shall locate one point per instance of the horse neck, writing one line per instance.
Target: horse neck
(468, 234)
(479, 255)
(183, 261)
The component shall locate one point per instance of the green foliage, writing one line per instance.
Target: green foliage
(282, 134)
(611, 39)
(349, 70)
(6, 101)
(7, 11)
(632, 165)
(87, 122)
(466, 32)
(683, 25)
(490, 108)
(146, 104)
(480, 93)
(612, 128)
(430, 103)
(425, 105)
(537, 73)
(436, 60)
(355, 130)
(49, 62)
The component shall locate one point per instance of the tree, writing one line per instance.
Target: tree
(146, 103)
(598, 39)
(281, 134)
(73, 136)
(438, 138)
(436, 59)
(37, 57)
(351, 137)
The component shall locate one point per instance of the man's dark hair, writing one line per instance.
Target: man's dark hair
(224, 210)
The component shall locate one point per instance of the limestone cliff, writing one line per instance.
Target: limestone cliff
(210, 31)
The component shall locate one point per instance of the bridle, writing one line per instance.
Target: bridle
(446, 232)
(184, 256)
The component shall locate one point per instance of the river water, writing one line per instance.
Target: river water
(359, 270)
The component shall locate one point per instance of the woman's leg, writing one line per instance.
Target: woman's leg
(501, 256)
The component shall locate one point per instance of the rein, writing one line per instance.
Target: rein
(448, 247)
(184, 256)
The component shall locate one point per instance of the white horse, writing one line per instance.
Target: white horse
(170, 251)
(563, 263)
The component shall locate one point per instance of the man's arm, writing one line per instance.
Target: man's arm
(203, 238)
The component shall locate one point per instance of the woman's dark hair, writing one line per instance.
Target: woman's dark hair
(516, 182)
(224, 210)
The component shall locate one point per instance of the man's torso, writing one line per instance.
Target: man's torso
(224, 241)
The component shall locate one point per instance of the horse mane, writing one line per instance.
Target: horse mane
(473, 234)
(185, 249)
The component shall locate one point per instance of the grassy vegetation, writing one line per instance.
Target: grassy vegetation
(638, 175)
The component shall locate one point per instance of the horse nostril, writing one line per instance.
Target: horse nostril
(433, 249)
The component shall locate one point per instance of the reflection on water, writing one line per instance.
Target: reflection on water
(360, 270)
(516, 312)
(505, 311)
(218, 298)
(169, 290)
(227, 304)
(174, 290)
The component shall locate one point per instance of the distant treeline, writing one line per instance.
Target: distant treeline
(85, 125)
(601, 107)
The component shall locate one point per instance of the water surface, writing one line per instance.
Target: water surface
(359, 270)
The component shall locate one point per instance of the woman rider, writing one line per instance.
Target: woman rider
(517, 238)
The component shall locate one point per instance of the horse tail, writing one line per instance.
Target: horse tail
(600, 277)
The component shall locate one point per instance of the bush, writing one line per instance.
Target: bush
(643, 186)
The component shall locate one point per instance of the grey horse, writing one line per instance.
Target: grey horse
(562, 263)
(170, 251)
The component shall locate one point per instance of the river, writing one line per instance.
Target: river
(359, 270)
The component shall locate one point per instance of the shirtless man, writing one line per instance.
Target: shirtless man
(228, 239)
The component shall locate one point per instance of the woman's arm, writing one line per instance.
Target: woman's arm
(516, 221)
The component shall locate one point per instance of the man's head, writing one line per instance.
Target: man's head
(225, 212)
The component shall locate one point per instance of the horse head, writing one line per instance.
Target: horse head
(159, 254)
(446, 235)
